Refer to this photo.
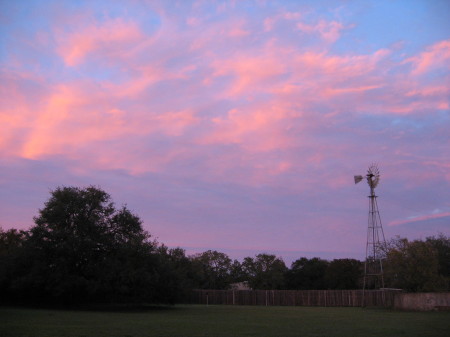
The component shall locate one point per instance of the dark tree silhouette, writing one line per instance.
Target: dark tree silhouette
(265, 271)
(343, 274)
(213, 269)
(83, 249)
(307, 274)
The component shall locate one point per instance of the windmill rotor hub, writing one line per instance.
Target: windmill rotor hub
(373, 176)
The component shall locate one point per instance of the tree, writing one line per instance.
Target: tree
(214, 269)
(11, 240)
(413, 266)
(237, 273)
(11, 249)
(84, 249)
(441, 244)
(265, 271)
(343, 274)
(184, 276)
(307, 274)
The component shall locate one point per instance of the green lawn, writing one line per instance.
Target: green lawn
(196, 320)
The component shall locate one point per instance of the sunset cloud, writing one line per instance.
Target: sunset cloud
(111, 38)
(418, 218)
(434, 57)
(328, 31)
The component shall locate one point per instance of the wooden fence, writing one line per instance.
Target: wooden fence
(322, 298)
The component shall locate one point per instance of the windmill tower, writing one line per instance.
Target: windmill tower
(376, 243)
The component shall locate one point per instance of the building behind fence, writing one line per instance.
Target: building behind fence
(323, 298)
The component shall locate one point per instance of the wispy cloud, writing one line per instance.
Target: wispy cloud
(434, 57)
(420, 218)
(111, 39)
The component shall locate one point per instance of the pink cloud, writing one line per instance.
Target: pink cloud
(436, 56)
(56, 124)
(174, 123)
(193, 21)
(112, 37)
(340, 91)
(329, 31)
(420, 218)
(219, 39)
(249, 71)
(146, 76)
(20, 103)
(132, 158)
(347, 66)
(440, 168)
(405, 95)
(258, 128)
(238, 31)
(77, 114)
(73, 116)
(270, 22)
(434, 91)
(361, 77)
(292, 81)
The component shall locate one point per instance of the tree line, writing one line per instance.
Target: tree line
(83, 249)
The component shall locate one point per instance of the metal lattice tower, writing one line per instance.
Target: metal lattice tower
(376, 242)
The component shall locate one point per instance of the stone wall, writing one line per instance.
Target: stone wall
(422, 301)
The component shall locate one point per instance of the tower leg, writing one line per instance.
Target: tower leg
(373, 265)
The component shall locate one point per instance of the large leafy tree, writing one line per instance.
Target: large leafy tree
(265, 271)
(83, 248)
(414, 266)
(11, 248)
(183, 275)
(441, 244)
(213, 269)
(11, 240)
(307, 274)
(237, 272)
(343, 274)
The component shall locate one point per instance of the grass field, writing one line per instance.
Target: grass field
(196, 320)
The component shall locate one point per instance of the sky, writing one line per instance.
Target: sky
(234, 126)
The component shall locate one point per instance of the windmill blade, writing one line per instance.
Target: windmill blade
(358, 179)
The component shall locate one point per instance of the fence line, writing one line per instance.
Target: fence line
(322, 298)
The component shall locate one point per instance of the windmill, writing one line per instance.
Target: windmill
(376, 243)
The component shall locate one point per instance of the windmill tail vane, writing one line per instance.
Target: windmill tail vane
(358, 179)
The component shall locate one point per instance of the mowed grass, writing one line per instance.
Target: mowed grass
(197, 320)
